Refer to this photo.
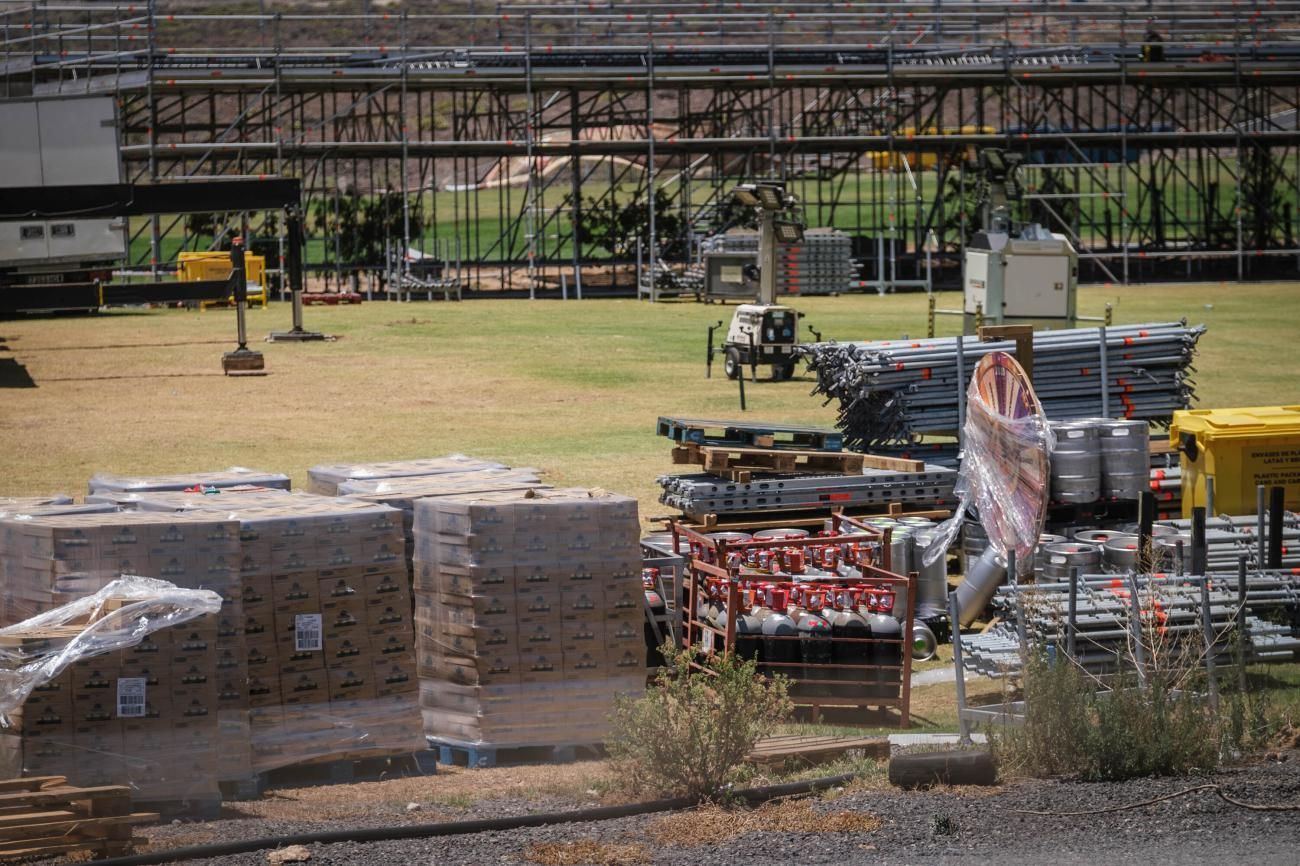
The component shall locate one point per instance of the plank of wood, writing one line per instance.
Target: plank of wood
(892, 464)
(62, 794)
(813, 748)
(31, 783)
(42, 824)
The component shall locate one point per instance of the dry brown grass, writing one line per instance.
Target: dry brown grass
(573, 388)
(587, 852)
(713, 825)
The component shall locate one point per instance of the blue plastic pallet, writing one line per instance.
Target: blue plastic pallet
(485, 755)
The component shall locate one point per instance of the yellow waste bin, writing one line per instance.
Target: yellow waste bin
(192, 266)
(1239, 449)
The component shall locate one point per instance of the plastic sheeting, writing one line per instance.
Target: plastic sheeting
(1005, 469)
(36, 651)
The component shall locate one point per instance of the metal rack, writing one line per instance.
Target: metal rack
(829, 688)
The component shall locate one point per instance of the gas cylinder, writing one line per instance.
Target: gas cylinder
(883, 625)
(658, 609)
(815, 645)
(847, 623)
(748, 628)
(777, 628)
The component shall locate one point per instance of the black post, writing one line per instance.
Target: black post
(1072, 621)
(239, 287)
(741, 380)
(293, 262)
(1241, 622)
(1146, 517)
(1199, 553)
(753, 358)
(1276, 508)
(708, 361)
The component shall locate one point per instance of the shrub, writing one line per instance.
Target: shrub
(690, 733)
(1125, 732)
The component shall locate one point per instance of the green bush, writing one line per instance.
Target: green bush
(1073, 729)
(690, 733)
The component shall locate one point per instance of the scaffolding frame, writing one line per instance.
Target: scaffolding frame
(505, 146)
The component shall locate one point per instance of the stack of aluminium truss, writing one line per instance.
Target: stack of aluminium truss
(892, 392)
(700, 494)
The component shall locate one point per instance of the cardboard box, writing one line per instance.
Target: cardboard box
(582, 634)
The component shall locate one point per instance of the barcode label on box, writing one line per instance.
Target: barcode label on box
(307, 632)
(130, 697)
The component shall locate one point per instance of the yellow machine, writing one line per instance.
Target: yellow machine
(1240, 449)
(215, 265)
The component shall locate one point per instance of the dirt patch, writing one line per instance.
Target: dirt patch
(587, 852)
(713, 825)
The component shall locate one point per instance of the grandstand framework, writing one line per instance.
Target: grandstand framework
(490, 132)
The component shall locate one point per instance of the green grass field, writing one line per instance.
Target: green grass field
(572, 388)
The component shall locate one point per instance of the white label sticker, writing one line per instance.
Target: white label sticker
(707, 640)
(130, 697)
(307, 632)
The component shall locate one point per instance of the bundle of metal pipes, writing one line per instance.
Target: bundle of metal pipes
(1229, 538)
(1105, 608)
(700, 494)
(891, 392)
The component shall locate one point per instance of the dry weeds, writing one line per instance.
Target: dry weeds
(713, 825)
(587, 852)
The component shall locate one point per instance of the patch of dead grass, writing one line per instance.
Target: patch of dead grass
(587, 852)
(713, 825)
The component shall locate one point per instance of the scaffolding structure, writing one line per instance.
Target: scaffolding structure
(506, 143)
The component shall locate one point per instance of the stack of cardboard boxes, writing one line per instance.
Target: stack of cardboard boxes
(144, 716)
(326, 625)
(529, 612)
(235, 476)
(402, 492)
(49, 559)
(325, 480)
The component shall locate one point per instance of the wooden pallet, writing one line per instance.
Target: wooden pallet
(330, 299)
(44, 816)
(814, 749)
(738, 464)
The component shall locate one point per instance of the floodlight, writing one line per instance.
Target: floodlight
(788, 231)
(745, 195)
(771, 196)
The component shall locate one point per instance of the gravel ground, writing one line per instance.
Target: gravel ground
(933, 828)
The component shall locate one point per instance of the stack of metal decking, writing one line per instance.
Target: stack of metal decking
(769, 486)
(698, 494)
(892, 392)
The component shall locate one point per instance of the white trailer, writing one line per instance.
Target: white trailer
(58, 141)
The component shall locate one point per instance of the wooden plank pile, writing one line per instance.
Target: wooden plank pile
(44, 816)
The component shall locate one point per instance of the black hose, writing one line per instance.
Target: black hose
(750, 796)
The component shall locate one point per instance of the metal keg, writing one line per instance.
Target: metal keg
(1165, 553)
(1125, 458)
(1040, 555)
(1076, 462)
(973, 542)
(900, 550)
(1100, 536)
(984, 574)
(779, 534)
(1061, 558)
(932, 579)
(1157, 529)
(916, 521)
(1119, 553)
